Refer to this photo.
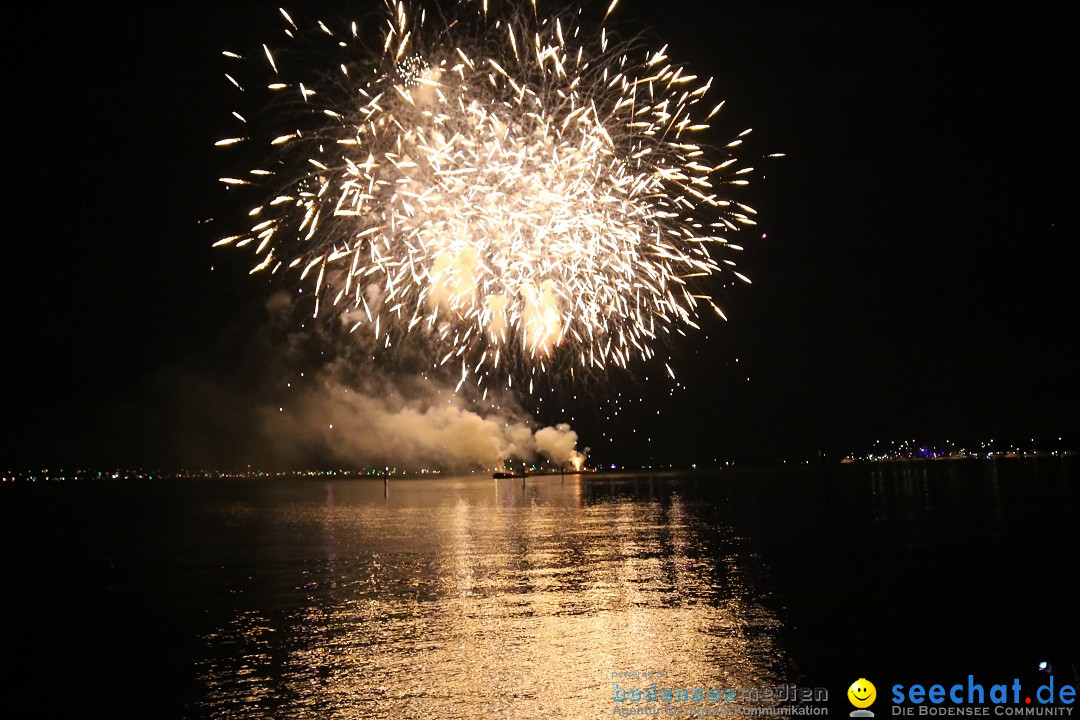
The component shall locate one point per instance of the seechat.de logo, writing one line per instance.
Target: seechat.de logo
(862, 694)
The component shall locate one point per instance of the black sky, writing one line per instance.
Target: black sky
(918, 278)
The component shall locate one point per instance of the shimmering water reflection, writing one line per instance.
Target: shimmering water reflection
(464, 597)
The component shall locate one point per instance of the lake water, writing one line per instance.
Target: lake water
(471, 597)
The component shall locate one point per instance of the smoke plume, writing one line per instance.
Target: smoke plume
(280, 392)
(409, 423)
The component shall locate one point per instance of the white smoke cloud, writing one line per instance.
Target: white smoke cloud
(411, 424)
(284, 396)
(559, 443)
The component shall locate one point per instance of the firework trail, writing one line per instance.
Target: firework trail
(523, 192)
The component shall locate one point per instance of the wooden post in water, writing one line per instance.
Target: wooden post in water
(386, 482)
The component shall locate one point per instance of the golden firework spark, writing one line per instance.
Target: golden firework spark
(518, 189)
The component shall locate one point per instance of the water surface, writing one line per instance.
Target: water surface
(466, 597)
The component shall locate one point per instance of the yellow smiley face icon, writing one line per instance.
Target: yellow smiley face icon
(862, 693)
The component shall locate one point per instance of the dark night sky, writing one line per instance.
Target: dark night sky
(918, 278)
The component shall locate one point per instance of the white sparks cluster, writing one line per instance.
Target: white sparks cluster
(519, 190)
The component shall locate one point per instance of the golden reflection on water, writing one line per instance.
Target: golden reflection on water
(472, 597)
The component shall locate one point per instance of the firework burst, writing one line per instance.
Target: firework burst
(523, 192)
